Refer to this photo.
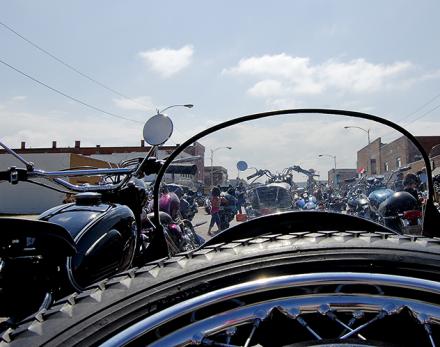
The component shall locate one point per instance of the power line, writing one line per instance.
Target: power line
(424, 114)
(419, 108)
(70, 66)
(73, 98)
(68, 96)
(414, 112)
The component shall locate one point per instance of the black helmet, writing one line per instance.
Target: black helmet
(411, 179)
(397, 203)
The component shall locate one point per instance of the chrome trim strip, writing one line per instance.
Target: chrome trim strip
(263, 285)
(293, 307)
(55, 177)
(88, 188)
(16, 155)
(74, 173)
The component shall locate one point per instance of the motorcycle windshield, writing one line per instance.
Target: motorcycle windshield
(296, 161)
(270, 197)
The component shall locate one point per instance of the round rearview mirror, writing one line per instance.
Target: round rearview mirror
(158, 129)
(242, 165)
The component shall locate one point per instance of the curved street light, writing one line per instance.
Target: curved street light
(177, 105)
(330, 156)
(369, 165)
(356, 127)
(212, 161)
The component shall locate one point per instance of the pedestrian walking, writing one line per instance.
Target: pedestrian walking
(216, 201)
(240, 194)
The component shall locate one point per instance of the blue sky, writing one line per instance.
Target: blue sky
(228, 58)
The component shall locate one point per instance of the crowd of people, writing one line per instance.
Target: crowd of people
(225, 205)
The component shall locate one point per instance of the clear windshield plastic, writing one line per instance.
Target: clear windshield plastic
(314, 162)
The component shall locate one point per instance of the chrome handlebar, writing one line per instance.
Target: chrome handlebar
(55, 177)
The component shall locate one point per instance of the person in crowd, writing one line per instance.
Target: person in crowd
(240, 194)
(410, 185)
(398, 183)
(231, 201)
(216, 201)
(423, 179)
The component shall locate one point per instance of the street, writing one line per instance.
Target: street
(203, 217)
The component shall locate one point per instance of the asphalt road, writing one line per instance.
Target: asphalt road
(203, 217)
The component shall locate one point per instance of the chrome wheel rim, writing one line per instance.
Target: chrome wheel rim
(330, 296)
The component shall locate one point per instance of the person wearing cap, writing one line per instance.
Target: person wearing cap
(410, 185)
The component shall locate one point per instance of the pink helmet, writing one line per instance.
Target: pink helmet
(169, 203)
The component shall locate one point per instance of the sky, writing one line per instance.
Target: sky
(228, 58)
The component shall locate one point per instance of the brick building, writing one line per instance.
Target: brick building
(219, 176)
(114, 155)
(379, 158)
(336, 177)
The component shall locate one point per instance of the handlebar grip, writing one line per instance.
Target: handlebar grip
(4, 175)
(14, 175)
(253, 175)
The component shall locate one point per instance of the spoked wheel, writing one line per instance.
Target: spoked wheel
(322, 309)
(328, 288)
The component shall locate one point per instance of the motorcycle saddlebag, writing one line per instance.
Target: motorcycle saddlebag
(31, 256)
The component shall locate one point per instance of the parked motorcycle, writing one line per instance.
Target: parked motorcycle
(298, 278)
(188, 207)
(401, 212)
(103, 232)
(268, 198)
(398, 210)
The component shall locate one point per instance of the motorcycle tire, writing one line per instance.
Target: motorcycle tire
(318, 270)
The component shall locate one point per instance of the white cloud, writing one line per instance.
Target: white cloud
(167, 62)
(280, 65)
(280, 75)
(361, 76)
(141, 103)
(18, 98)
(266, 88)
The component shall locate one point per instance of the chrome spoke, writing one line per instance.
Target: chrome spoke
(380, 315)
(326, 310)
(230, 333)
(213, 321)
(429, 332)
(305, 325)
(254, 328)
(355, 316)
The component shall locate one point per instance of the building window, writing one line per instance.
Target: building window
(398, 162)
(386, 167)
(373, 166)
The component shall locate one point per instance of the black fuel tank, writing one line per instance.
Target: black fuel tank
(105, 236)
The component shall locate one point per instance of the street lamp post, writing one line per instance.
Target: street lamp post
(177, 105)
(334, 161)
(369, 149)
(356, 127)
(166, 108)
(212, 162)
